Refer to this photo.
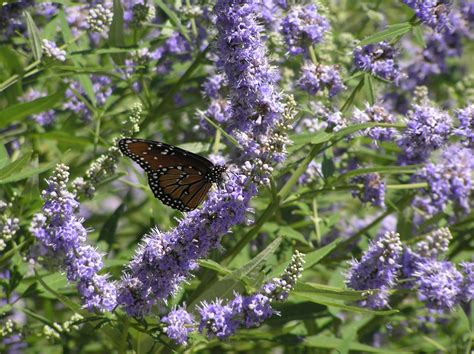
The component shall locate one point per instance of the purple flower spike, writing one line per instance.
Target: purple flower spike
(178, 325)
(302, 27)
(378, 59)
(315, 78)
(433, 13)
(427, 129)
(376, 270)
(439, 284)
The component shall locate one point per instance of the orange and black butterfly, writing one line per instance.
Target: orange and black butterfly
(179, 178)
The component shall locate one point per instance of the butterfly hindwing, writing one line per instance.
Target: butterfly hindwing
(179, 178)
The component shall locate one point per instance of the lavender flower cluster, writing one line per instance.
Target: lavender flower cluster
(223, 320)
(315, 78)
(164, 260)
(387, 264)
(379, 60)
(449, 180)
(433, 13)
(62, 238)
(303, 26)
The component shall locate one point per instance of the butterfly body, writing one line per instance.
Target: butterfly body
(179, 178)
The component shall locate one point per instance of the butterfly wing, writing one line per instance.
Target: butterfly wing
(175, 176)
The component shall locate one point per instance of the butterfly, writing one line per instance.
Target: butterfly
(179, 178)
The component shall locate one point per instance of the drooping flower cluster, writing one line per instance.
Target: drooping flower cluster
(466, 125)
(376, 114)
(52, 51)
(433, 13)
(379, 60)
(62, 239)
(377, 271)
(427, 129)
(221, 320)
(316, 78)
(450, 178)
(302, 27)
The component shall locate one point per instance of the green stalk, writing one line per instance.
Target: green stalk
(273, 206)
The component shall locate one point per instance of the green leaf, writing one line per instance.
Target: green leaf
(116, 37)
(27, 173)
(16, 113)
(323, 300)
(4, 158)
(356, 127)
(223, 132)
(418, 35)
(369, 89)
(315, 257)
(225, 287)
(389, 33)
(64, 299)
(326, 342)
(321, 137)
(290, 233)
(173, 18)
(380, 169)
(15, 166)
(108, 231)
(63, 137)
(327, 167)
(34, 37)
(329, 291)
(210, 264)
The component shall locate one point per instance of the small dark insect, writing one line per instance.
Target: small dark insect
(179, 178)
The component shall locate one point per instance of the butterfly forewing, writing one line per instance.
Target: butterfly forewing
(177, 177)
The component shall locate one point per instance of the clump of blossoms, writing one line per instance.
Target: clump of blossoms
(219, 107)
(373, 190)
(379, 60)
(43, 118)
(142, 12)
(101, 86)
(434, 244)
(450, 178)
(165, 260)
(433, 13)
(59, 330)
(376, 272)
(466, 125)
(427, 129)
(439, 284)
(99, 18)
(106, 164)
(62, 237)
(316, 78)
(52, 51)
(9, 226)
(302, 27)
(376, 114)
(221, 320)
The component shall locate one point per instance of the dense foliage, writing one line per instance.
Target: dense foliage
(344, 221)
